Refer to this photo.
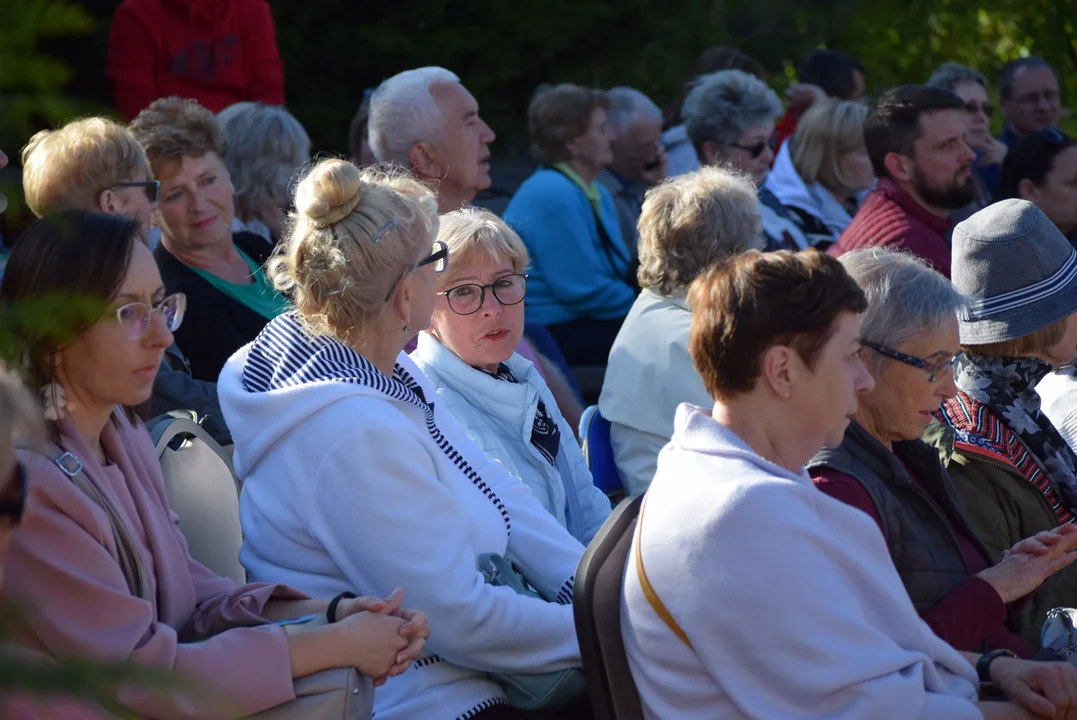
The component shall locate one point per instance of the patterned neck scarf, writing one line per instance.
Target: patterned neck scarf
(545, 435)
(1008, 387)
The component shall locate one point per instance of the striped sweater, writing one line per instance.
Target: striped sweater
(355, 480)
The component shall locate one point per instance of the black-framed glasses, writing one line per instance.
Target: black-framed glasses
(974, 107)
(753, 150)
(135, 318)
(152, 188)
(467, 299)
(13, 500)
(932, 369)
(439, 259)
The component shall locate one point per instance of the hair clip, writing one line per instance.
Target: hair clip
(383, 230)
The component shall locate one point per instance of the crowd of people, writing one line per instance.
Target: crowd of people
(837, 340)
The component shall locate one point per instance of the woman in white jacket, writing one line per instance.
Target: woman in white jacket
(495, 394)
(355, 479)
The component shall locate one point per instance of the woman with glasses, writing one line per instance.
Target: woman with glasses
(1042, 168)
(1013, 470)
(730, 119)
(220, 271)
(971, 86)
(497, 396)
(355, 475)
(100, 472)
(910, 346)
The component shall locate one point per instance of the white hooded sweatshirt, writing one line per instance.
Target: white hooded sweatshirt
(353, 481)
(814, 200)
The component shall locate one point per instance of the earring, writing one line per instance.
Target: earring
(406, 329)
(55, 401)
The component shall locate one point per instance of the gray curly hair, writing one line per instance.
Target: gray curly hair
(722, 106)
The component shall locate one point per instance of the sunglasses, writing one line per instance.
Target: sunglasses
(974, 107)
(753, 150)
(135, 318)
(932, 369)
(152, 188)
(439, 258)
(13, 499)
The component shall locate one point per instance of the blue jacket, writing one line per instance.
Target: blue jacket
(571, 276)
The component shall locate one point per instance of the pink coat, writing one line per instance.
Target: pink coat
(62, 568)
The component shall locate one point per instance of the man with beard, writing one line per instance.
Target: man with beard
(915, 137)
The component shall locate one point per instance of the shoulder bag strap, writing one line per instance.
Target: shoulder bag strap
(648, 590)
(130, 560)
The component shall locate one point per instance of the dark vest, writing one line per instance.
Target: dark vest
(919, 528)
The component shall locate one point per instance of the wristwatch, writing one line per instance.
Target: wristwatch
(983, 665)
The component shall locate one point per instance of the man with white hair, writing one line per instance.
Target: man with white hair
(427, 121)
(639, 161)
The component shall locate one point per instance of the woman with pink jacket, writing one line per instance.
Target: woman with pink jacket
(219, 643)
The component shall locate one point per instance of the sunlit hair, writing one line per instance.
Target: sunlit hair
(403, 112)
(69, 168)
(354, 233)
(824, 134)
(172, 128)
(692, 221)
(475, 232)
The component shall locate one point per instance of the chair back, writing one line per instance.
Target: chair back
(598, 451)
(203, 491)
(597, 608)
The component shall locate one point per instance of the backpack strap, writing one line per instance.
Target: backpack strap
(130, 561)
(648, 590)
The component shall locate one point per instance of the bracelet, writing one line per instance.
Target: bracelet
(983, 665)
(331, 611)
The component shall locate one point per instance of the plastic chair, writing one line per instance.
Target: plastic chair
(203, 491)
(598, 451)
(596, 606)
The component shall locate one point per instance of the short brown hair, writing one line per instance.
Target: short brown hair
(69, 168)
(751, 302)
(173, 127)
(559, 114)
(1026, 346)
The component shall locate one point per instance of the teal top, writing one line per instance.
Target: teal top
(260, 295)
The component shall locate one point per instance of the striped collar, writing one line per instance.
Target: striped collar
(1058, 281)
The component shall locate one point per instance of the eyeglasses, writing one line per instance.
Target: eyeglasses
(13, 500)
(439, 259)
(152, 188)
(933, 369)
(753, 150)
(974, 107)
(468, 299)
(135, 318)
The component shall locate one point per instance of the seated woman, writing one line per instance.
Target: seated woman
(909, 333)
(354, 475)
(264, 148)
(750, 593)
(821, 170)
(583, 274)
(687, 224)
(218, 640)
(1042, 168)
(730, 119)
(1014, 472)
(229, 299)
(497, 396)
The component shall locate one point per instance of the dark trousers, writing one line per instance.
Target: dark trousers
(579, 711)
(586, 341)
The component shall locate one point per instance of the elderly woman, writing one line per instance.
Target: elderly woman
(264, 147)
(751, 594)
(909, 334)
(100, 478)
(1042, 168)
(354, 475)
(971, 86)
(687, 224)
(583, 276)
(730, 118)
(821, 171)
(497, 396)
(1014, 472)
(229, 299)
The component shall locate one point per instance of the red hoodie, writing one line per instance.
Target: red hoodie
(216, 51)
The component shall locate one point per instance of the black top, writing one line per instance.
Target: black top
(215, 325)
